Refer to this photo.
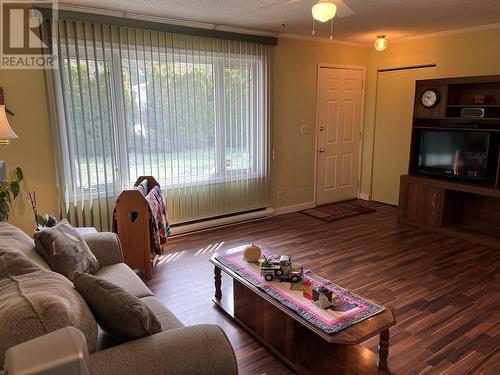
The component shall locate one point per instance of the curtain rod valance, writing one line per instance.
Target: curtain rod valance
(157, 26)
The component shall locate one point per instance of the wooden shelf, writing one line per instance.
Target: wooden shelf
(472, 188)
(473, 105)
(469, 210)
(461, 119)
(474, 235)
(466, 211)
(452, 128)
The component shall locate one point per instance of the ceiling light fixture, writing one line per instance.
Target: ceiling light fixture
(381, 43)
(324, 10)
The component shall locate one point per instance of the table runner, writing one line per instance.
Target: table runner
(348, 309)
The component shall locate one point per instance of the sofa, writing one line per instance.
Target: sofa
(37, 302)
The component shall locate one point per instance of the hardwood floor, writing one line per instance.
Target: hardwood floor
(444, 292)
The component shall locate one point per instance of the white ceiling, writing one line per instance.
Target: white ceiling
(395, 18)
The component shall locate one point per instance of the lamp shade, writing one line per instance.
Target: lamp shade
(6, 132)
(324, 10)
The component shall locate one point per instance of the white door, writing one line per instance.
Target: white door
(338, 130)
(393, 123)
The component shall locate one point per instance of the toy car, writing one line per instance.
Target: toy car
(284, 270)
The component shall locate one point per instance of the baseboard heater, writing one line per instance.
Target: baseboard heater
(220, 221)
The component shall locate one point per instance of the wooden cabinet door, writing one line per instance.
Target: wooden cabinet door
(424, 204)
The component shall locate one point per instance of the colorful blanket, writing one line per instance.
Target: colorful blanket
(160, 225)
(347, 308)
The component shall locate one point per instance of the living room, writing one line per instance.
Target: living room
(189, 151)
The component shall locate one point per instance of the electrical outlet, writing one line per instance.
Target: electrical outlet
(280, 195)
(304, 129)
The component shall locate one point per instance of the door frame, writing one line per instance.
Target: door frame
(361, 127)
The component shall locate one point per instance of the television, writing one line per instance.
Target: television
(456, 154)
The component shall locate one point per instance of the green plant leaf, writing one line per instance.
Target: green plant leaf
(9, 190)
(18, 172)
(14, 188)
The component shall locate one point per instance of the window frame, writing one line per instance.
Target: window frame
(113, 58)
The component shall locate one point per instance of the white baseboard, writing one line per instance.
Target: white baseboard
(364, 196)
(293, 208)
(221, 222)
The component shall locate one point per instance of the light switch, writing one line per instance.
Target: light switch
(304, 129)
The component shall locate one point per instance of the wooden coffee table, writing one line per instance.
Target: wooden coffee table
(303, 347)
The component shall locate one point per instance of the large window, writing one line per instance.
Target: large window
(184, 122)
(190, 111)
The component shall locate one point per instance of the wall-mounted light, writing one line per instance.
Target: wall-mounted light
(324, 10)
(381, 43)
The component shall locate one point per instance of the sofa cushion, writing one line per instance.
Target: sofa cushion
(118, 312)
(123, 276)
(167, 320)
(64, 249)
(14, 239)
(35, 301)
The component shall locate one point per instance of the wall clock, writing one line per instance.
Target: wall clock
(430, 98)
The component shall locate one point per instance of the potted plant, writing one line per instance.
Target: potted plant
(9, 190)
(41, 221)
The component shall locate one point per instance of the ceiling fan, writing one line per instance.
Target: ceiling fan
(343, 10)
(322, 11)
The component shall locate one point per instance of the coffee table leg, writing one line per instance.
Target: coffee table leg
(218, 282)
(383, 352)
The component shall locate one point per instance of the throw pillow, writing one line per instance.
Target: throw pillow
(65, 250)
(119, 313)
(35, 301)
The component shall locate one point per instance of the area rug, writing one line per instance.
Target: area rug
(348, 308)
(337, 211)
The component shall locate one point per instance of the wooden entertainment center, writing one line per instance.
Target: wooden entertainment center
(464, 202)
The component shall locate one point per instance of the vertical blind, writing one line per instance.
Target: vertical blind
(191, 111)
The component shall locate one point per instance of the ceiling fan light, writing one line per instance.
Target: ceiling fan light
(381, 43)
(324, 10)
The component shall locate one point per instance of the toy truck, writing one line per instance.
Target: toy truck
(284, 270)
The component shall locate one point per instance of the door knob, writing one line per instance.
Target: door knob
(321, 128)
(321, 149)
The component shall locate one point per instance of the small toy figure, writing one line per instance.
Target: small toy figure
(322, 297)
(284, 270)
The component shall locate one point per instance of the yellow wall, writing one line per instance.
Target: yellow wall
(293, 103)
(24, 92)
(459, 54)
(294, 83)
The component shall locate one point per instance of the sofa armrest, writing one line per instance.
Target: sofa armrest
(57, 353)
(202, 350)
(106, 247)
